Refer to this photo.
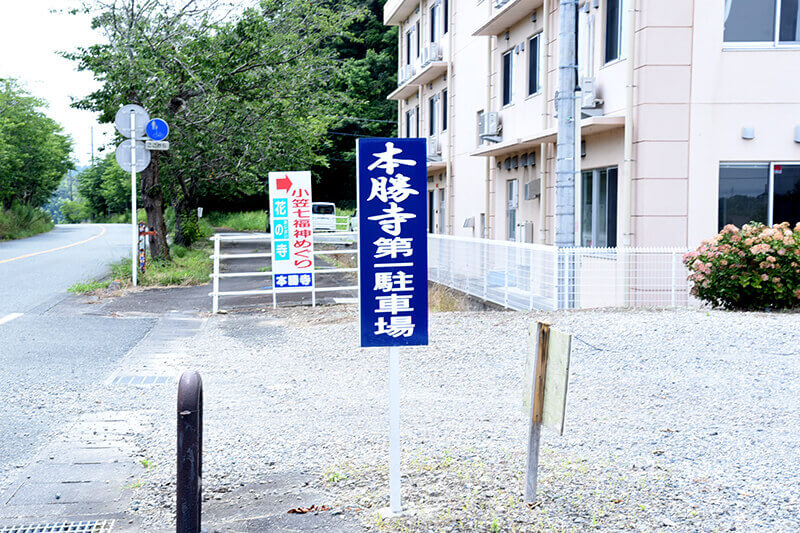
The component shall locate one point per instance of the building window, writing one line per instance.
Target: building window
(433, 115)
(508, 77)
(759, 192)
(409, 43)
(444, 110)
(416, 121)
(446, 16)
(756, 21)
(479, 123)
(512, 189)
(534, 83)
(613, 30)
(419, 44)
(434, 22)
(599, 208)
(409, 122)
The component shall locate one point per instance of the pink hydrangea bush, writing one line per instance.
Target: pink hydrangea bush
(755, 267)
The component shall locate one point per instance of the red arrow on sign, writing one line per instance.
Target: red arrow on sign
(284, 184)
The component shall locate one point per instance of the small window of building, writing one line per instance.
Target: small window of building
(445, 110)
(599, 208)
(409, 123)
(433, 115)
(409, 45)
(445, 16)
(512, 190)
(759, 192)
(508, 77)
(755, 21)
(434, 22)
(613, 30)
(534, 83)
(419, 43)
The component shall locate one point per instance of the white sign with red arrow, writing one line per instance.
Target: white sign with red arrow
(292, 231)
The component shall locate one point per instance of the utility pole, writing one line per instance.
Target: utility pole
(566, 153)
(565, 107)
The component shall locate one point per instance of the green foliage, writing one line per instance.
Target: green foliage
(189, 266)
(752, 268)
(242, 221)
(244, 94)
(106, 188)
(20, 221)
(34, 155)
(75, 211)
(368, 73)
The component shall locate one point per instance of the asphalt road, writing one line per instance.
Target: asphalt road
(51, 360)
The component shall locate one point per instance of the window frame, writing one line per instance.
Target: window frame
(434, 21)
(538, 38)
(611, 201)
(445, 103)
(512, 205)
(507, 78)
(774, 44)
(770, 221)
(433, 115)
(621, 5)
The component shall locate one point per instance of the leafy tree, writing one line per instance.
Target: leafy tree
(368, 73)
(34, 154)
(244, 93)
(105, 187)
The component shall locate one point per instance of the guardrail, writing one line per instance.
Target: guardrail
(330, 238)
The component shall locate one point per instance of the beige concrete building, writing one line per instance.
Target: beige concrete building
(707, 133)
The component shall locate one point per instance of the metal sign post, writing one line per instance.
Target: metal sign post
(134, 222)
(131, 122)
(393, 264)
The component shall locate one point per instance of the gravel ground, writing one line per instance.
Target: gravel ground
(676, 420)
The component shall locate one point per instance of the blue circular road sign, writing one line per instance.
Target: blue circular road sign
(157, 129)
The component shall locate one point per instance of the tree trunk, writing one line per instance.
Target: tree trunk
(153, 199)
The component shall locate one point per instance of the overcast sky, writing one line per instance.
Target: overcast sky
(30, 36)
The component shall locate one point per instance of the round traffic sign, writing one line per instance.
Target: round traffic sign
(124, 156)
(123, 120)
(157, 129)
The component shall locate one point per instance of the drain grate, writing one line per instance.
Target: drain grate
(86, 526)
(141, 380)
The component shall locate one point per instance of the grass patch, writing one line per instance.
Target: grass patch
(85, 287)
(241, 221)
(189, 266)
(20, 221)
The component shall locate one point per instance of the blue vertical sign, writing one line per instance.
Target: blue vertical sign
(393, 242)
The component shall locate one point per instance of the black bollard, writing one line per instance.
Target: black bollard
(190, 452)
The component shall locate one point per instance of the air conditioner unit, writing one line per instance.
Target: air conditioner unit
(533, 189)
(431, 52)
(434, 147)
(406, 72)
(589, 98)
(490, 128)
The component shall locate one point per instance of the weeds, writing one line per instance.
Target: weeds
(20, 221)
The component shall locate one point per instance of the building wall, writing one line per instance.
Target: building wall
(693, 94)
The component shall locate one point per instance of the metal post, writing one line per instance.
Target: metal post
(674, 279)
(395, 502)
(134, 222)
(215, 297)
(190, 453)
(530, 289)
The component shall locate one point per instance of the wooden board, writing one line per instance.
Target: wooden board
(556, 380)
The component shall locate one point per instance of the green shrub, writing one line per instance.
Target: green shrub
(241, 221)
(752, 268)
(21, 220)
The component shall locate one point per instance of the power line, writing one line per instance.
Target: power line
(368, 120)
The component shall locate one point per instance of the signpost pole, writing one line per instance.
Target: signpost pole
(537, 408)
(394, 430)
(134, 222)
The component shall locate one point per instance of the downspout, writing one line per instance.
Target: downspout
(545, 41)
(627, 169)
(399, 68)
(488, 208)
(450, 124)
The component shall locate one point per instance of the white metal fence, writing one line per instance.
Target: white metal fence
(532, 276)
(343, 239)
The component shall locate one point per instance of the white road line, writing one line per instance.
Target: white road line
(9, 318)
